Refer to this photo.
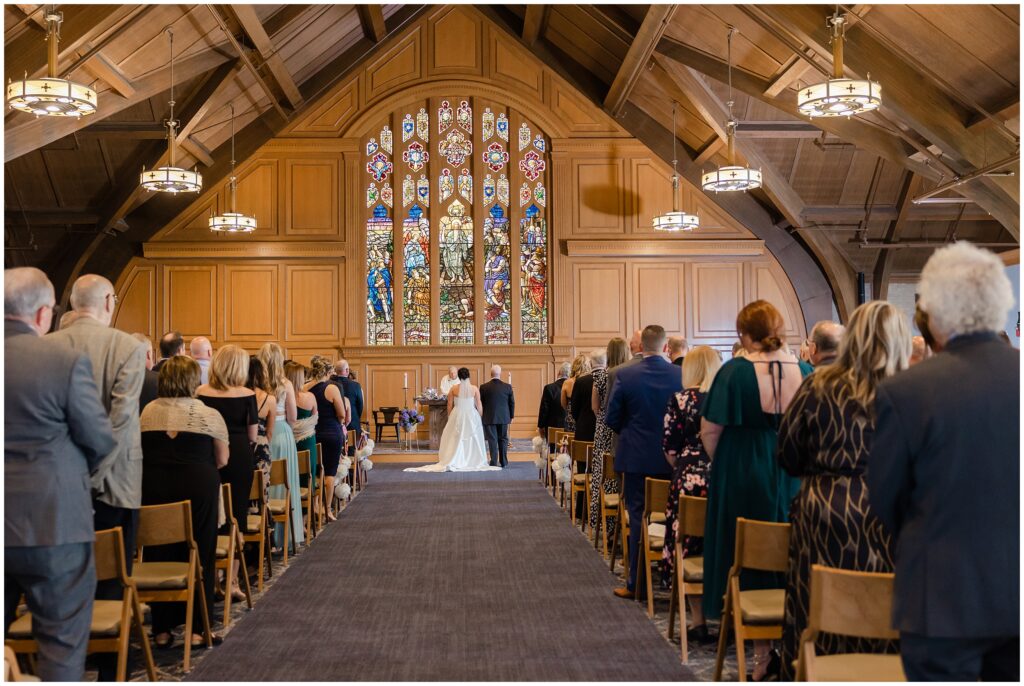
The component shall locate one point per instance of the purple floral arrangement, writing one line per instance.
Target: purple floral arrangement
(408, 419)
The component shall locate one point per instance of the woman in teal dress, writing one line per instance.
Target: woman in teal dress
(739, 429)
(306, 417)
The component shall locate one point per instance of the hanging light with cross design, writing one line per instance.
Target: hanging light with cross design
(232, 222)
(675, 220)
(839, 96)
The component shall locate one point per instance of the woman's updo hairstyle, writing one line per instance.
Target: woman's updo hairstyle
(320, 367)
(463, 373)
(762, 323)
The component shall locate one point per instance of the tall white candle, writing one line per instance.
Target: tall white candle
(405, 380)
(510, 377)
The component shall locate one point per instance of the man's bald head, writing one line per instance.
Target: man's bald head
(635, 343)
(341, 367)
(93, 295)
(823, 346)
(200, 348)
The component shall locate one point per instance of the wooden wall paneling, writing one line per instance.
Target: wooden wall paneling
(395, 68)
(382, 387)
(714, 223)
(528, 380)
(354, 305)
(508, 65)
(333, 114)
(193, 223)
(251, 298)
(600, 300)
(312, 302)
(303, 355)
(560, 276)
(599, 199)
(189, 300)
(658, 296)
(581, 117)
(766, 281)
(258, 194)
(312, 196)
(455, 42)
(136, 308)
(717, 289)
(651, 193)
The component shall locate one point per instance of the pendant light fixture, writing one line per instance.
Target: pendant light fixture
(675, 220)
(170, 178)
(731, 177)
(233, 222)
(51, 96)
(839, 96)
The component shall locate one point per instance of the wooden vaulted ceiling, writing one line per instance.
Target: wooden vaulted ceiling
(950, 78)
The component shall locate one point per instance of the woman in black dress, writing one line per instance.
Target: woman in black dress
(825, 439)
(579, 400)
(227, 394)
(183, 445)
(332, 417)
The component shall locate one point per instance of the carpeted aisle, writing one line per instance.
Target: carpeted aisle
(446, 577)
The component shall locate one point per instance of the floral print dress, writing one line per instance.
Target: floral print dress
(602, 445)
(690, 476)
(261, 459)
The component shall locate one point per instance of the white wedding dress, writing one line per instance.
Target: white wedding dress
(462, 447)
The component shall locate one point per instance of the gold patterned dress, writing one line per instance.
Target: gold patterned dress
(825, 442)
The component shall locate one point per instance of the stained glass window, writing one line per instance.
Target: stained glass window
(380, 321)
(533, 260)
(416, 277)
(497, 277)
(456, 242)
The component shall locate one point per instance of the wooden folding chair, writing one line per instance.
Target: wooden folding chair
(689, 571)
(257, 527)
(755, 614)
(171, 581)
(580, 452)
(849, 603)
(306, 493)
(652, 538)
(280, 508)
(229, 548)
(321, 517)
(608, 503)
(558, 489)
(552, 451)
(112, 620)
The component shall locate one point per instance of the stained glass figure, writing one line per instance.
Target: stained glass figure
(495, 157)
(497, 277)
(415, 156)
(387, 194)
(533, 277)
(532, 165)
(487, 124)
(489, 190)
(379, 167)
(466, 185)
(372, 195)
(503, 190)
(524, 136)
(502, 126)
(408, 191)
(380, 323)
(408, 128)
(445, 185)
(416, 277)
(524, 194)
(423, 125)
(540, 143)
(456, 148)
(386, 139)
(456, 301)
(540, 195)
(464, 115)
(423, 190)
(445, 116)
(371, 147)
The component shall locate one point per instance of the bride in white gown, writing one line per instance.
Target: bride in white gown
(462, 447)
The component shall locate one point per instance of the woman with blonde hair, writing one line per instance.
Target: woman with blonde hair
(282, 440)
(306, 417)
(825, 439)
(617, 353)
(690, 463)
(333, 415)
(580, 366)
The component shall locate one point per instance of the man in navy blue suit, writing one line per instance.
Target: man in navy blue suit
(636, 412)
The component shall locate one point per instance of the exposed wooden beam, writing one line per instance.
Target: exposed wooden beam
(244, 57)
(27, 52)
(883, 266)
(101, 68)
(198, 151)
(853, 214)
(250, 23)
(709, 150)
(533, 23)
(640, 50)
(791, 72)
(777, 129)
(371, 17)
(128, 130)
(283, 17)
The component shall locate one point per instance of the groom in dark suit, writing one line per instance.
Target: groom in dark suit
(499, 409)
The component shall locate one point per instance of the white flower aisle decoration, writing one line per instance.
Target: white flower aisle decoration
(540, 446)
(342, 491)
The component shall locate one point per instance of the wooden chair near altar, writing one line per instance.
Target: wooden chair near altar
(390, 419)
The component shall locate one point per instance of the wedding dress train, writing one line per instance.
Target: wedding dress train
(462, 447)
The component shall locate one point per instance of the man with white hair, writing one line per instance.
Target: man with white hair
(55, 433)
(499, 405)
(944, 477)
(551, 412)
(450, 381)
(823, 344)
(118, 367)
(677, 350)
(202, 352)
(351, 389)
(151, 379)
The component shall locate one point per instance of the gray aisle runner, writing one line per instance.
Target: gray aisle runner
(446, 577)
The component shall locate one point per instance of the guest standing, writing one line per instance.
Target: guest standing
(690, 464)
(353, 393)
(266, 413)
(202, 352)
(56, 431)
(306, 414)
(823, 344)
(580, 366)
(677, 350)
(579, 400)
(184, 443)
(616, 354)
(636, 412)
(332, 418)
(551, 413)
(824, 440)
(171, 344)
(741, 416)
(282, 440)
(149, 382)
(944, 476)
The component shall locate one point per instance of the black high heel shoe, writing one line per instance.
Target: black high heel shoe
(774, 669)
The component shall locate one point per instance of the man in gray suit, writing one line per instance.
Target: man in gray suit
(55, 433)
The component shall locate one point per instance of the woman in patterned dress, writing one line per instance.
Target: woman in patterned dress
(690, 463)
(580, 366)
(618, 352)
(266, 407)
(825, 439)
